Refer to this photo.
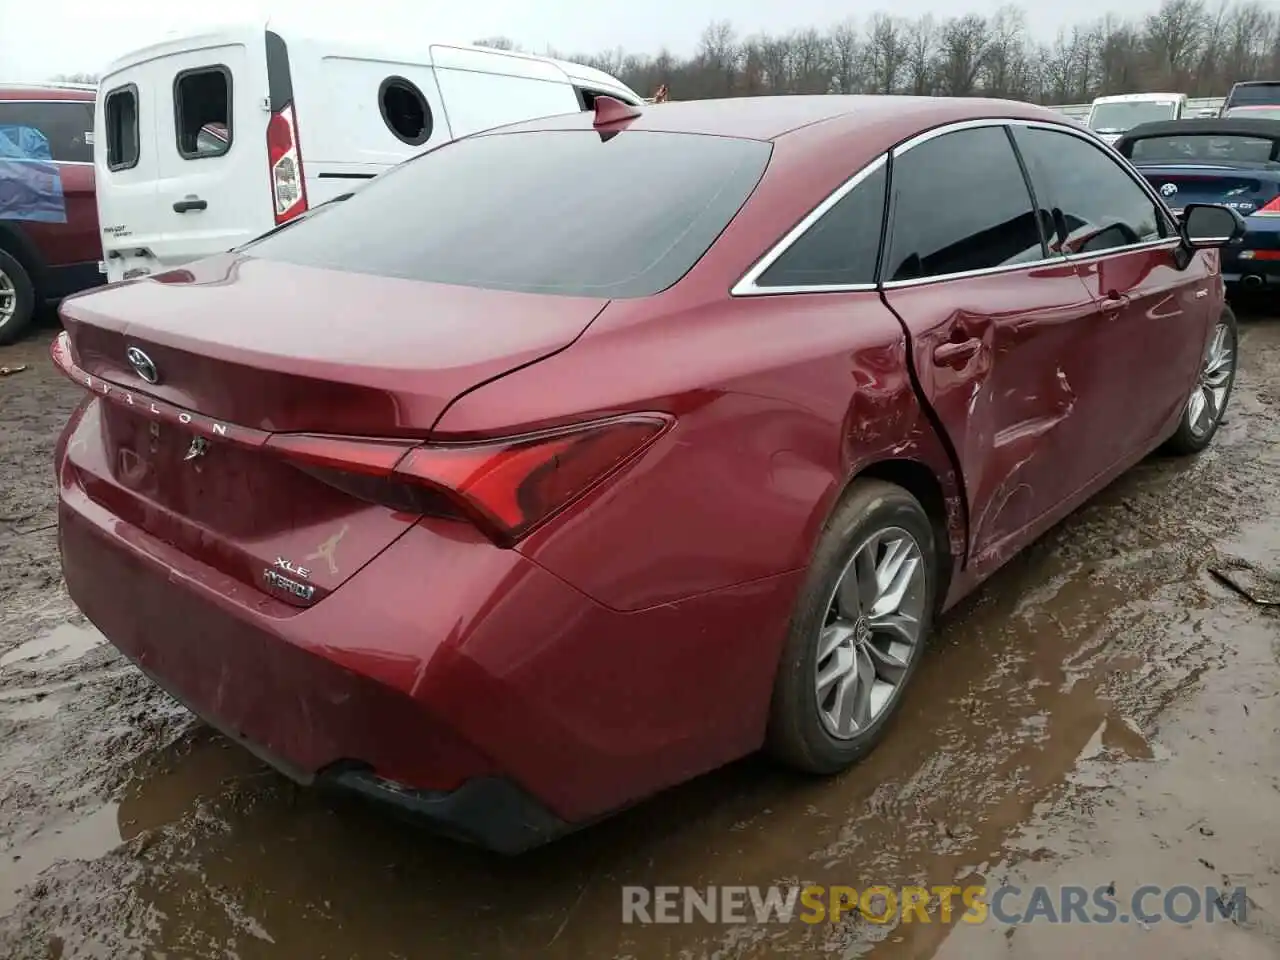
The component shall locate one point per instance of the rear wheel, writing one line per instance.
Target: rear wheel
(17, 299)
(858, 632)
(1204, 409)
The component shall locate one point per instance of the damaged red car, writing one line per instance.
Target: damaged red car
(573, 459)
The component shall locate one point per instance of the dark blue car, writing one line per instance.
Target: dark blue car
(1230, 161)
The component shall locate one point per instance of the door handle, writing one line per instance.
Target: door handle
(1113, 302)
(191, 203)
(954, 354)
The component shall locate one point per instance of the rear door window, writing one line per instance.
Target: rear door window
(562, 212)
(67, 125)
(1095, 204)
(202, 112)
(959, 204)
(120, 112)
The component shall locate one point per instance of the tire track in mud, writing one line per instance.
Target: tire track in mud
(1077, 678)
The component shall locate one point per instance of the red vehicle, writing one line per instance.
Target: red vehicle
(49, 242)
(511, 500)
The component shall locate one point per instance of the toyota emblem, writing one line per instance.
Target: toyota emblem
(142, 365)
(1168, 190)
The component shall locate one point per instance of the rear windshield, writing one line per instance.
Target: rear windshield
(1202, 148)
(1257, 113)
(1122, 115)
(1255, 93)
(563, 212)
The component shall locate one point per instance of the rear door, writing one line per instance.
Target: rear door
(70, 248)
(1122, 244)
(212, 191)
(999, 328)
(126, 165)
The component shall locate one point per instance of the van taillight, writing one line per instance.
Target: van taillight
(506, 487)
(288, 187)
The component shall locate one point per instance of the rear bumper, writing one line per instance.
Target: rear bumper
(63, 281)
(1255, 261)
(457, 681)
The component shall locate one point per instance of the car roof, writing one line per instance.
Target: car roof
(406, 48)
(38, 90)
(1138, 97)
(1225, 126)
(770, 118)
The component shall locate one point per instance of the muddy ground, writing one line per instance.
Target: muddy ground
(1106, 711)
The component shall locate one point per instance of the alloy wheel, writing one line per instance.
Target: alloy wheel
(1205, 405)
(8, 298)
(872, 632)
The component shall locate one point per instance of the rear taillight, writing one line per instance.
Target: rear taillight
(1270, 209)
(506, 487)
(288, 187)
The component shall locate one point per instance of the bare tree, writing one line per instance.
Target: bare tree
(847, 59)
(888, 51)
(1175, 33)
(1185, 45)
(963, 48)
(921, 43)
(496, 43)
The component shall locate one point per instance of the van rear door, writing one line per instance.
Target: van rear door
(125, 169)
(213, 190)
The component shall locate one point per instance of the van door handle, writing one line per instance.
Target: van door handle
(953, 354)
(191, 203)
(1114, 302)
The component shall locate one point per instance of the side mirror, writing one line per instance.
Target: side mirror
(1208, 225)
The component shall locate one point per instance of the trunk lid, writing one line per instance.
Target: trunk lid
(283, 348)
(1244, 188)
(263, 348)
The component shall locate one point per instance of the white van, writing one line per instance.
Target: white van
(205, 142)
(1111, 117)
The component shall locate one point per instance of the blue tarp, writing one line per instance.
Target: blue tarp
(30, 182)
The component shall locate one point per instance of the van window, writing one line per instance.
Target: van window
(66, 124)
(559, 212)
(202, 112)
(121, 111)
(405, 111)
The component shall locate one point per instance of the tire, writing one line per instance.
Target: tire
(1195, 433)
(17, 299)
(801, 732)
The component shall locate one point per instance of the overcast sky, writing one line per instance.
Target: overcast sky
(39, 38)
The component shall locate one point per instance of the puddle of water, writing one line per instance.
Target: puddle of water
(1039, 695)
(85, 839)
(63, 645)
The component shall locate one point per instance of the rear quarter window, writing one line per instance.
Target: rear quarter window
(67, 125)
(572, 213)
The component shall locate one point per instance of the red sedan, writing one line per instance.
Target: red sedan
(576, 458)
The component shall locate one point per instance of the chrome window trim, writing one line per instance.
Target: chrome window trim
(746, 286)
